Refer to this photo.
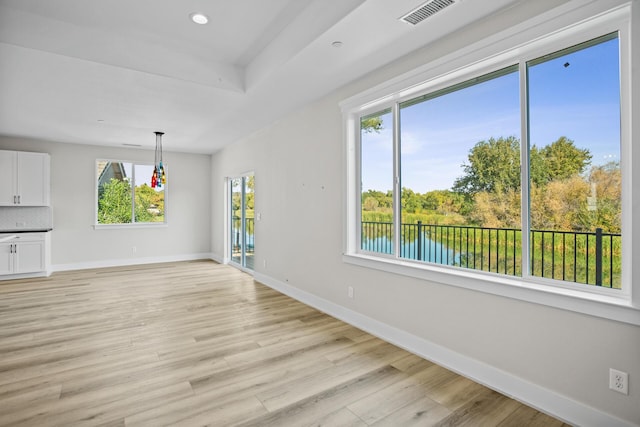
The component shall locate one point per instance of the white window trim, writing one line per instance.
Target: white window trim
(565, 26)
(98, 226)
(131, 225)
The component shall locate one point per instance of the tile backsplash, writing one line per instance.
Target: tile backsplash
(25, 218)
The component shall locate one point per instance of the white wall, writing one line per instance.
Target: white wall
(299, 172)
(76, 244)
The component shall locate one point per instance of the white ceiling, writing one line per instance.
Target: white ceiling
(113, 72)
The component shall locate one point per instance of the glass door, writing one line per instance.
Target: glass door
(242, 222)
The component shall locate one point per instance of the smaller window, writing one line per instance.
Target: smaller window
(125, 195)
(376, 163)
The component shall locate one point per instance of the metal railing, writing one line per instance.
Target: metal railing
(583, 257)
(237, 230)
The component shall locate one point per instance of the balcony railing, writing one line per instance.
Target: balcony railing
(592, 258)
(237, 230)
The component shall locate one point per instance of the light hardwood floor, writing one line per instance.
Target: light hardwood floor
(199, 343)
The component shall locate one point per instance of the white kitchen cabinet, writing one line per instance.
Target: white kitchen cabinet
(8, 160)
(29, 257)
(25, 178)
(6, 258)
(25, 253)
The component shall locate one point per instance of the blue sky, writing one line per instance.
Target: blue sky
(580, 101)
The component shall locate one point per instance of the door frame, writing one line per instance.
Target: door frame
(229, 236)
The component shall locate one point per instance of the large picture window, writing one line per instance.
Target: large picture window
(515, 171)
(125, 195)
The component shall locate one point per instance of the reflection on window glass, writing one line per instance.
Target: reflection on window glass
(376, 165)
(119, 183)
(574, 166)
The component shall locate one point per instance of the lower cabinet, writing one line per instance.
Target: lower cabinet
(26, 253)
(6, 258)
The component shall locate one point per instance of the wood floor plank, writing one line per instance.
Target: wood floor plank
(487, 408)
(525, 415)
(26, 379)
(196, 407)
(99, 406)
(31, 397)
(199, 343)
(385, 402)
(341, 418)
(422, 412)
(321, 404)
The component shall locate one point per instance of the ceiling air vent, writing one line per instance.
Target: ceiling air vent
(428, 9)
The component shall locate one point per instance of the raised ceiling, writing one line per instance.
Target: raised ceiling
(112, 72)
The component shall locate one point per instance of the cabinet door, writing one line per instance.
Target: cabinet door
(7, 177)
(29, 257)
(33, 179)
(6, 258)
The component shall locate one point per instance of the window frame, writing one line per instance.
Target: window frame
(133, 224)
(518, 45)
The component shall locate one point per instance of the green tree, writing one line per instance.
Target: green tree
(384, 200)
(562, 159)
(114, 202)
(411, 201)
(492, 164)
(250, 195)
(538, 171)
(371, 124)
(444, 202)
(148, 199)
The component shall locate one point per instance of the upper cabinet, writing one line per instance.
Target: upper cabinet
(25, 178)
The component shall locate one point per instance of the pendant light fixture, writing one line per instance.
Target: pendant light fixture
(158, 178)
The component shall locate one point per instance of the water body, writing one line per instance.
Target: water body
(431, 251)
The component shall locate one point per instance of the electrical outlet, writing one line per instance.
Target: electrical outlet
(350, 291)
(619, 381)
(264, 263)
(134, 249)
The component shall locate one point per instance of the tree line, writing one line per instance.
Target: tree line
(566, 191)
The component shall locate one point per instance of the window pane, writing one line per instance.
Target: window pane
(376, 168)
(236, 220)
(249, 199)
(114, 192)
(149, 201)
(120, 182)
(575, 188)
(460, 158)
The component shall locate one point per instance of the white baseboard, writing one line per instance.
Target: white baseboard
(25, 275)
(217, 258)
(130, 261)
(540, 398)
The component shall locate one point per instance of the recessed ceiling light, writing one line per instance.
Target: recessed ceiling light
(199, 18)
(336, 43)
